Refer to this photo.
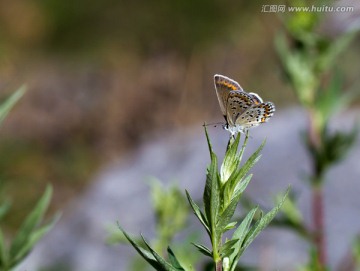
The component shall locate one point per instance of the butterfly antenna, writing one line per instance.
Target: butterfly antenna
(214, 124)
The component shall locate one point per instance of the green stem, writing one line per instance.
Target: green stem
(314, 135)
(218, 265)
(314, 129)
(315, 140)
(244, 145)
(216, 244)
(318, 218)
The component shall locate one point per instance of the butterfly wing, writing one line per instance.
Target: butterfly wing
(256, 98)
(224, 86)
(255, 115)
(238, 102)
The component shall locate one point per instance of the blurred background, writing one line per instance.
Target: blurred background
(105, 77)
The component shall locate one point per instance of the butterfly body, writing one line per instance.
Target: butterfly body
(241, 110)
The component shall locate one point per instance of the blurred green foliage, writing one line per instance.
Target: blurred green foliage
(171, 214)
(14, 250)
(30, 232)
(308, 57)
(31, 164)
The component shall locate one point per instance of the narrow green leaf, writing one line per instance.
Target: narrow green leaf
(240, 234)
(6, 106)
(198, 212)
(203, 249)
(30, 223)
(232, 150)
(263, 222)
(231, 160)
(228, 248)
(290, 210)
(143, 253)
(226, 215)
(34, 237)
(174, 262)
(243, 228)
(230, 226)
(254, 157)
(239, 174)
(210, 177)
(336, 146)
(212, 200)
(211, 195)
(208, 140)
(241, 186)
(164, 265)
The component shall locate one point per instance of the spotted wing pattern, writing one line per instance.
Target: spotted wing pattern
(238, 102)
(224, 86)
(255, 115)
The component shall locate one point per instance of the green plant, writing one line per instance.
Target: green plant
(171, 212)
(308, 58)
(222, 192)
(32, 230)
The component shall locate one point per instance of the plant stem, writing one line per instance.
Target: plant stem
(318, 218)
(314, 130)
(218, 265)
(314, 134)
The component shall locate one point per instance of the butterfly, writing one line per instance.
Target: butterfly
(241, 110)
